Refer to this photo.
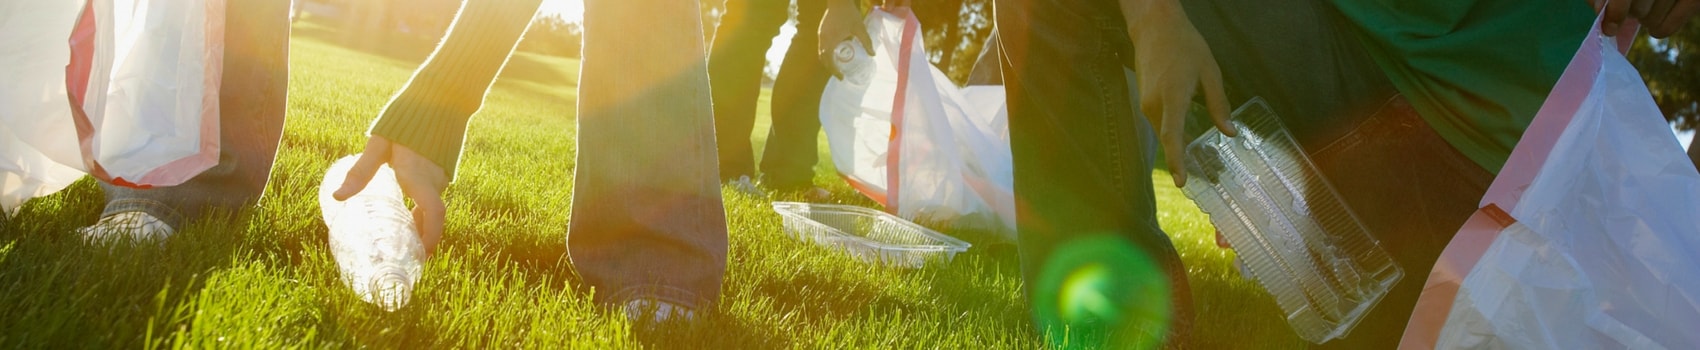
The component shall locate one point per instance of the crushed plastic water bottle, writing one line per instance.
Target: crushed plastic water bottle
(1292, 232)
(854, 63)
(372, 237)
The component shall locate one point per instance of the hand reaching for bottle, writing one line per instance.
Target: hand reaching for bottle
(420, 179)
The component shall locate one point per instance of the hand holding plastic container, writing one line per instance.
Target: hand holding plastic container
(1293, 233)
(372, 237)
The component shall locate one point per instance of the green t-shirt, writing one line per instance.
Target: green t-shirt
(1476, 70)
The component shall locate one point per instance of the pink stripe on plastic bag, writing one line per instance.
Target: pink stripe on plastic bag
(1560, 107)
(1478, 233)
(77, 76)
(81, 70)
(894, 153)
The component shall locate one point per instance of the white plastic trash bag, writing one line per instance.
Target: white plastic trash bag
(896, 119)
(150, 102)
(125, 90)
(38, 142)
(1600, 245)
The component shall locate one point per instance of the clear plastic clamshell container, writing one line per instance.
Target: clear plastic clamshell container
(1291, 231)
(871, 235)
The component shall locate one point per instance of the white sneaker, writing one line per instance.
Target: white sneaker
(657, 311)
(747, 186)
(131, 225)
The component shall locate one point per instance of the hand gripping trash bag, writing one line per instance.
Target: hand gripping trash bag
(125, 90)
(906, 136)
(1588, 238)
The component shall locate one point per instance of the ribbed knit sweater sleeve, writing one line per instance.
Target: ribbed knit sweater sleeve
(430, 113)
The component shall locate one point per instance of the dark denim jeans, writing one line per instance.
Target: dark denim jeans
(735, 66)
(1413, 191)
(1079, 149)
(251, 102)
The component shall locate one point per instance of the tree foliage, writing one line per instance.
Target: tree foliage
(955, 32)
(552, 35)
(1671, 67)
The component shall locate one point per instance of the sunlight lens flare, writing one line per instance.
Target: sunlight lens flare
(1102, 292)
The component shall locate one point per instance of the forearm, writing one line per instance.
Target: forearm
(430, 114)
(1148, 16)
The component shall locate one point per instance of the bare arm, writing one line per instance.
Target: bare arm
(419, 134)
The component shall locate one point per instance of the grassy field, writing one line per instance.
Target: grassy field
(264, 278)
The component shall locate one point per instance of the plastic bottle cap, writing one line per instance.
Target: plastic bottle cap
(391, 290)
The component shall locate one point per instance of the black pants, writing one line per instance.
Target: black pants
(735, 69)
(1070, 134)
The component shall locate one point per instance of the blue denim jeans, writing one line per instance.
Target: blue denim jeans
(647, 219)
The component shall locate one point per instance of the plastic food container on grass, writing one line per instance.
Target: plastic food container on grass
(871, 235)
(1293, 233)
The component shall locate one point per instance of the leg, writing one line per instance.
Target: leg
(647, 221)
(735, 66)
(987, 71)
(1080, 173)
(789, 159)
(251, 102)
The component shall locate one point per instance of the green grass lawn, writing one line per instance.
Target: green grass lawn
(501, 278)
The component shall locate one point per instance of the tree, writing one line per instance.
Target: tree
(955, 32)
(552, 35)
(1671, 68)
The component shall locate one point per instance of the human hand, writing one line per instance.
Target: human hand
(1661, 17)
(843, 20)
(1172, 62)
(420, 179)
